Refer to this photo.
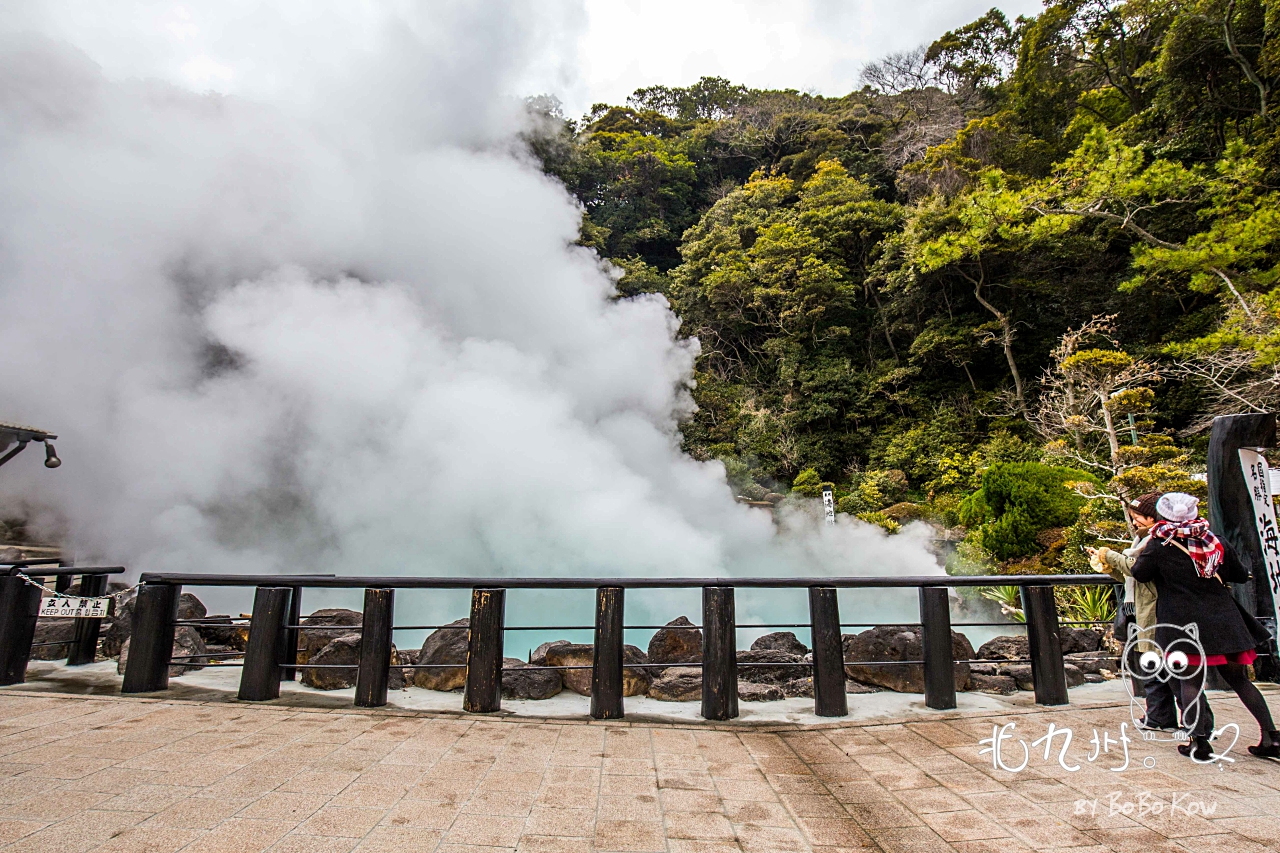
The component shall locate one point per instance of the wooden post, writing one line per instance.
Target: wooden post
(292, 636)
(151, 638)
(84, 643)
(719, 654)
(829, 697)
(1230, 512)
(19, 609)
(484, 652)
(1047, 671)
(606, 670)
(375, 648)
(62, 584)
(260, 677)
(935, 640)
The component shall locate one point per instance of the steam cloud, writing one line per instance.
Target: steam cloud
(354, 338)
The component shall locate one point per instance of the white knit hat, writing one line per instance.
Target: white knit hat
(1178, 507)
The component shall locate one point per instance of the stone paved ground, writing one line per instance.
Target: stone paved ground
(114, 774)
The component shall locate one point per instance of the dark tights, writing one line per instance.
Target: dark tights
(1237, 679)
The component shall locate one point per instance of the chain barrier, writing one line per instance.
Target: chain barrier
(44, 588)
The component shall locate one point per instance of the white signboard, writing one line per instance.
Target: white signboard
(1264, 516)
(829, 503)
(74, 607)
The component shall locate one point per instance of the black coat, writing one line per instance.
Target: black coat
(1183, 597)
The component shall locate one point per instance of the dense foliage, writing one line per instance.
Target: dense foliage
(1041, 243)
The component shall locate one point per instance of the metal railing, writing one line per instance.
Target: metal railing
(270, 655)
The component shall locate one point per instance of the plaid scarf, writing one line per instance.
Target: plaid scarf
(1204, 549)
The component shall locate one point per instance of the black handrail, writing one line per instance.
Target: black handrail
(276, 622)
(404, 582)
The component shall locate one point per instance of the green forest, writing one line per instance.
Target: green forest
(1004, 283)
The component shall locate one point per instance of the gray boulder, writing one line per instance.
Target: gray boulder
(53, 631)
(780, 641)
(890, 643)
(677, 684)
(521, 680)
(539, 656)
(1005, 648)
(186, 643)
(635, 682)
(224, 632)
(798, 687)
(116, 627)
(311, 642)
(677, 643)
(1002, 684)
(751, 692)
(1079, 640)
(340, 651)
(444, 646)
(787, 668)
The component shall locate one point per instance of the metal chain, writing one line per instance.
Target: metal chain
(44, 588)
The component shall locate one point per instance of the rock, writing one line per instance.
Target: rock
(539, 656)
(1002, 684)
(525, 682)
(343, 651)
(1021, 674)
(780, 641)
(677, 684)
(1074, 676)
(676, 644)
(635, 682)
(856, 687)
(224, 632)
(787, 670)
(899, 643)
(444, 646)
(116, 627)
(186, 642)
(311, 642)
(1077, 640)
(53, 631)
(751, 692)
(1093, 678)
(982, 669)
(1092, 663)
(1005, 648)
(798, 687)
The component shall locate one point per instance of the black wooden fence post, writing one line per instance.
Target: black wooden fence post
(151, 637)
(606, 669)
(1047, 671)
(484, 652)
(829, 697)
(292, 636)
(375, 648)
(19, 609)
(260, 677)
(84, 642)
(719, 654)
(935, 640)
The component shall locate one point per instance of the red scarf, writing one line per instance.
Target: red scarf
(1204, 549)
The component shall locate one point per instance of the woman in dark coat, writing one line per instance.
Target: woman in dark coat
(1190, 568)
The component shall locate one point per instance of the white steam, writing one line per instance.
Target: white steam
(354, 339)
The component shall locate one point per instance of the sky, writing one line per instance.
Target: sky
(586, 51)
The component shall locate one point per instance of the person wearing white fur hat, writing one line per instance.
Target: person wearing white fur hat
(1191, 567)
